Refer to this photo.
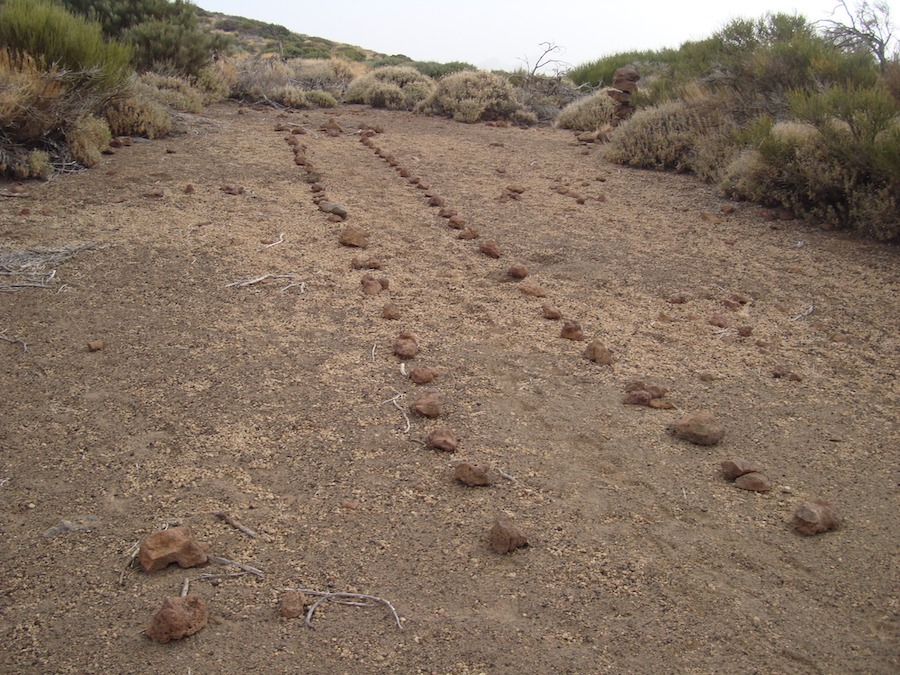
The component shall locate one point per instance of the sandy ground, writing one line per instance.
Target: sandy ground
(274, 404)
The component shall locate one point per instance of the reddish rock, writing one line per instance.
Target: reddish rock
(390, 311)
(175, 545)
(597, 352)
(490, 248)
(441, 438)
(371, 285)
(334, 218)
(422, 375)
(178, 618)
(661, 404)
(472, 474)
(654, 390)
(506, 537)
(406, 346)
(518, 271)
(456, 222)
(532, 291)
(385, 283)
(469, 233)
(189, 189)
(700, 428)
(447, 212)
(735, 468)
(404, 173)
(427, 405)
(292, 605)
(571, 330)
(550, 312)
(678, 299)
(815, 517)
(718, 320)
(515, 189)
(639, 397)
(437, 201)
(745, 331)
(753, 481)
(354, 236)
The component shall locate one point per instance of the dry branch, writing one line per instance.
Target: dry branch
(265, 277)
(35, 268)
(235, 523)
(402, 411)
(325, 596)
(242, 566)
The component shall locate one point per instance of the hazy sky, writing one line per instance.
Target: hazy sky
(492, 34)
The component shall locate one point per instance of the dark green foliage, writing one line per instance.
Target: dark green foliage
(53, 36)
(165, 35)
(437, 70)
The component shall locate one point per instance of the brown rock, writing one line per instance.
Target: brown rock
(700, 428)
(469, 233)
(422, 375)
(655, 390)
(354, 236)
(638, 397)
(427, 405)
(404, 173)
(505, 536)
(745, 331)
(707, 377)
(518, 271)
(189, 189)
(815, 517)
(332, 128)
(334, 218)
(532, 290)
(597, 352)
(390, 311)
(441, 438)
(422, 185)
(175, 545)
(95, 345)
(447, 212)
(678, 299)
(571, 330)
(735, 468)
(385, 283)
(292, 605)
(178, 618)
(456, 222)
(437, 201)
(405, 346)
(472, 474)
(490, 248)
(661, 404)
(232, 189)
(753, 481)
(718, 320)
(371, 285)
(550, 312)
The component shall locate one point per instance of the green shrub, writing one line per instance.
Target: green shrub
(87, 139)
(138, 115)
(392, 87)
(436, 70)
(330, 75)
(472, 97)
(257, 77)
(60, 41)
(590, 113)
(214, 82)
(22, 164)
(840, 164)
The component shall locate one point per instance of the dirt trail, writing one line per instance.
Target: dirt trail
(274, 405)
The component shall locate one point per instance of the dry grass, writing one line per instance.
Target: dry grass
(472, 96)
(590, 113)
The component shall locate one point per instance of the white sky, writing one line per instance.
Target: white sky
(502, 34)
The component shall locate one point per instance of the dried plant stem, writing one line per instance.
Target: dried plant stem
(265, 277)
(235, 523)
(187, 582)
(402, 411)
(806, 312)
(324, 596)
(242, 566)
(15, 341)
(132, 553)
(280, 240)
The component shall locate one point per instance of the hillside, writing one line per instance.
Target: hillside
(259, 37)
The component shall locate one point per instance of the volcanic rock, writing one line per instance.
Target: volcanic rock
(178, 618)
(292, 605)
(753, 481)
(405, 346)
(472, 474)
(354, 236)
(815, 517)
(735, 468)
(175, 545)
(422, 375)
(700, 428)
(441, 438)
(550, 312)
(427, 405)
(505, 536)
(490, 248)
(571, 330)
(597, 352)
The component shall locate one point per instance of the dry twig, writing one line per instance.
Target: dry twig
(505, 475)
(400, 408)
(35, 268)
(324, 596)
(265, 277)
(15, 341)
(280, 240)
(235, 523)
(185, 587)
(242, 566)
(806, 312)
(132, 553)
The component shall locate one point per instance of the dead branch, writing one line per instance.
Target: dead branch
(806, 312)
(35, 268)
(505, 475)
(265, 277)
(4, 193)
(280, 240)
(187, 582)
(301, 284)
(400, 408)
(324, 596)
(242, 566)
(235, 523)
(132, 553)
(15, 341)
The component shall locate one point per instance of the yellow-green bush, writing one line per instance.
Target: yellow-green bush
(392, 87)
(175, 92)
(214, 82)
(87, 139)
(258, 77)
(291, 96)
(329, 75)
(472, 96)
(590, 113)
(22, 164)
(138, 115)
(678, 135)
(323, 99)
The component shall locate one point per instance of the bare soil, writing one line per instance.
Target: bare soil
(274, 404)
